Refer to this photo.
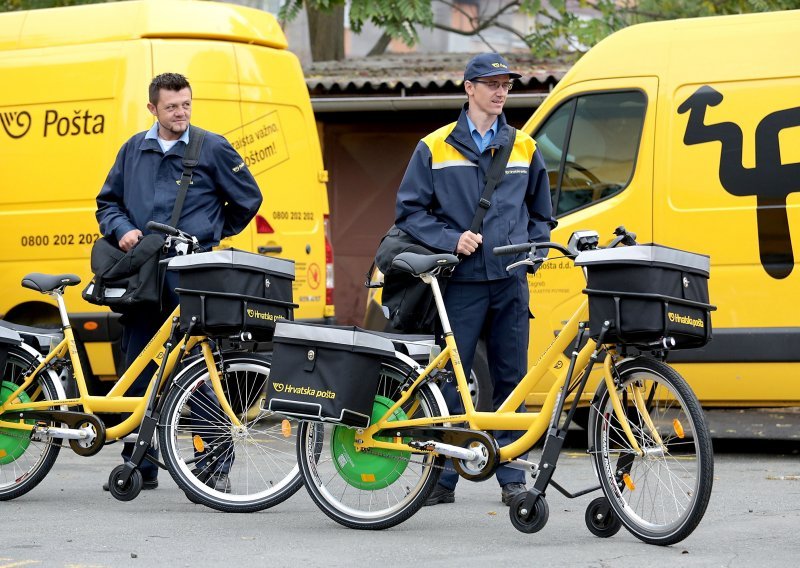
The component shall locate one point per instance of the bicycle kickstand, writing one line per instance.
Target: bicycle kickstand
(125, 481)
(530, 515)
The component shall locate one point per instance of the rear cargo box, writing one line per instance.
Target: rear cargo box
(326, 373)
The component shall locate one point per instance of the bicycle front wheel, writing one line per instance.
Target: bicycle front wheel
(368, 490)
(661, 494)
(25, 461)
(226, 467)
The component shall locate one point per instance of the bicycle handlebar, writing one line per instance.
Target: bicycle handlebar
(511, 249)
(162, 228)
(530, 247)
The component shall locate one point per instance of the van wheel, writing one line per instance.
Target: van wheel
(479, 381)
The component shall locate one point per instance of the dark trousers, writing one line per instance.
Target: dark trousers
(498, 311)
(138, 328)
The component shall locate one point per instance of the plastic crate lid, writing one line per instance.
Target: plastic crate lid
(233, 258)
(335, 337)
(647, 254)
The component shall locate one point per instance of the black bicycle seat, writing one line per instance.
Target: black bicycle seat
(49, 282)
(418, 264)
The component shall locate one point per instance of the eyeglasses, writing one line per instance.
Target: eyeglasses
(494, 85)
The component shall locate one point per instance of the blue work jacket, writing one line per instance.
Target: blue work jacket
(143, 184)
(442, 186)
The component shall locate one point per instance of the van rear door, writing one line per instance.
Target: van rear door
(280, 145)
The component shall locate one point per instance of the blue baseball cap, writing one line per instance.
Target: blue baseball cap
(487, 65)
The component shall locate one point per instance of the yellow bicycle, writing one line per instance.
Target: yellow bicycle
(647, 436)
(205, 404)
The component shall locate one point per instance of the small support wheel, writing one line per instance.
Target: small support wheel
(127, 491)
(538, 518)
(601, 519)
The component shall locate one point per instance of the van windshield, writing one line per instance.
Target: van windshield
(601, 133)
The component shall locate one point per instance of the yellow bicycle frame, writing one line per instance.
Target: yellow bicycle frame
(116, 401)
(506, 418)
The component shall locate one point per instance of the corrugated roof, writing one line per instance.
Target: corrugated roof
(420, 74)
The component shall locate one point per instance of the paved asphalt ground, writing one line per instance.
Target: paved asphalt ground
(753, 520)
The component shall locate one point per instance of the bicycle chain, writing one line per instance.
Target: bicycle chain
(398, 458)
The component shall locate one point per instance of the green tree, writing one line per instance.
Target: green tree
(560, 26)
(12, 5)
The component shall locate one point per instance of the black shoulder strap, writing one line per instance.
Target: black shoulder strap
(496, 171)
(190, 160)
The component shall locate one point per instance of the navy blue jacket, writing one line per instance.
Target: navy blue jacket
(143, 184)
(441, 188)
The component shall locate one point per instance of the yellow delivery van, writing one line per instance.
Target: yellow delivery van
(688, 133)
(75, 88)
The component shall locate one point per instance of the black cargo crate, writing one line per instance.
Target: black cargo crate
(230, 291)
(648, 293)
(326, 373)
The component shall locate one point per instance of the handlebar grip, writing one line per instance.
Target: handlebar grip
(161, 228)
(512, 249)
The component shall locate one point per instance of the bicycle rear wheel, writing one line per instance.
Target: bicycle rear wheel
(368, 490)
(225, 467)
(661, 496)
(24, 461)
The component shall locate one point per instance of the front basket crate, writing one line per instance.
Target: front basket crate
(228, 292)
(648, 293)
(326, 373)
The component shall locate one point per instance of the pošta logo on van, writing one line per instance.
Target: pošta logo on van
(303, 391)
(685, 320)
(770, 181)
(51, 122)
(267, 316)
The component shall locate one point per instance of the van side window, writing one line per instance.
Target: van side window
(601, 133)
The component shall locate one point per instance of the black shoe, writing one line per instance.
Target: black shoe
(147, 484)
(220, 482)
(440, 494)
(511, 490)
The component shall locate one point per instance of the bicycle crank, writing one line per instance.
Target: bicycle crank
(86, 432)
(474, 453)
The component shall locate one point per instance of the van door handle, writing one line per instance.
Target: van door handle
(265, 250)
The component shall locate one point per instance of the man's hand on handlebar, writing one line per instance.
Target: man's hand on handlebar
(183, 243)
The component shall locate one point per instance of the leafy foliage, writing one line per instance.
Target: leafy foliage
(13, 5)
(559, 27)
(398, 18)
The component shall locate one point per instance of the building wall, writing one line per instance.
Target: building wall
(366, 156)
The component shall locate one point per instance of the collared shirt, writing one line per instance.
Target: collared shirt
(482, 141)
(166, 145)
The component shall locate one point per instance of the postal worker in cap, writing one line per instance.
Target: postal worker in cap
(436, 203)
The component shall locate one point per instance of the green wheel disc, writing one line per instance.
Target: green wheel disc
(366, 470)
(13, 443)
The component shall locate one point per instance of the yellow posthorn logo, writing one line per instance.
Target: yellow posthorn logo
(277, 387)
(685, 320)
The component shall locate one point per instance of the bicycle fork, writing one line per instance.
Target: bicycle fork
(556, 435)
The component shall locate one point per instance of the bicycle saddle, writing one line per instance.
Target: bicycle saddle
(418, 264)
(49, 282)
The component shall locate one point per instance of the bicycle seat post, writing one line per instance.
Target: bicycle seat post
(58, 294)
(430, 279)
